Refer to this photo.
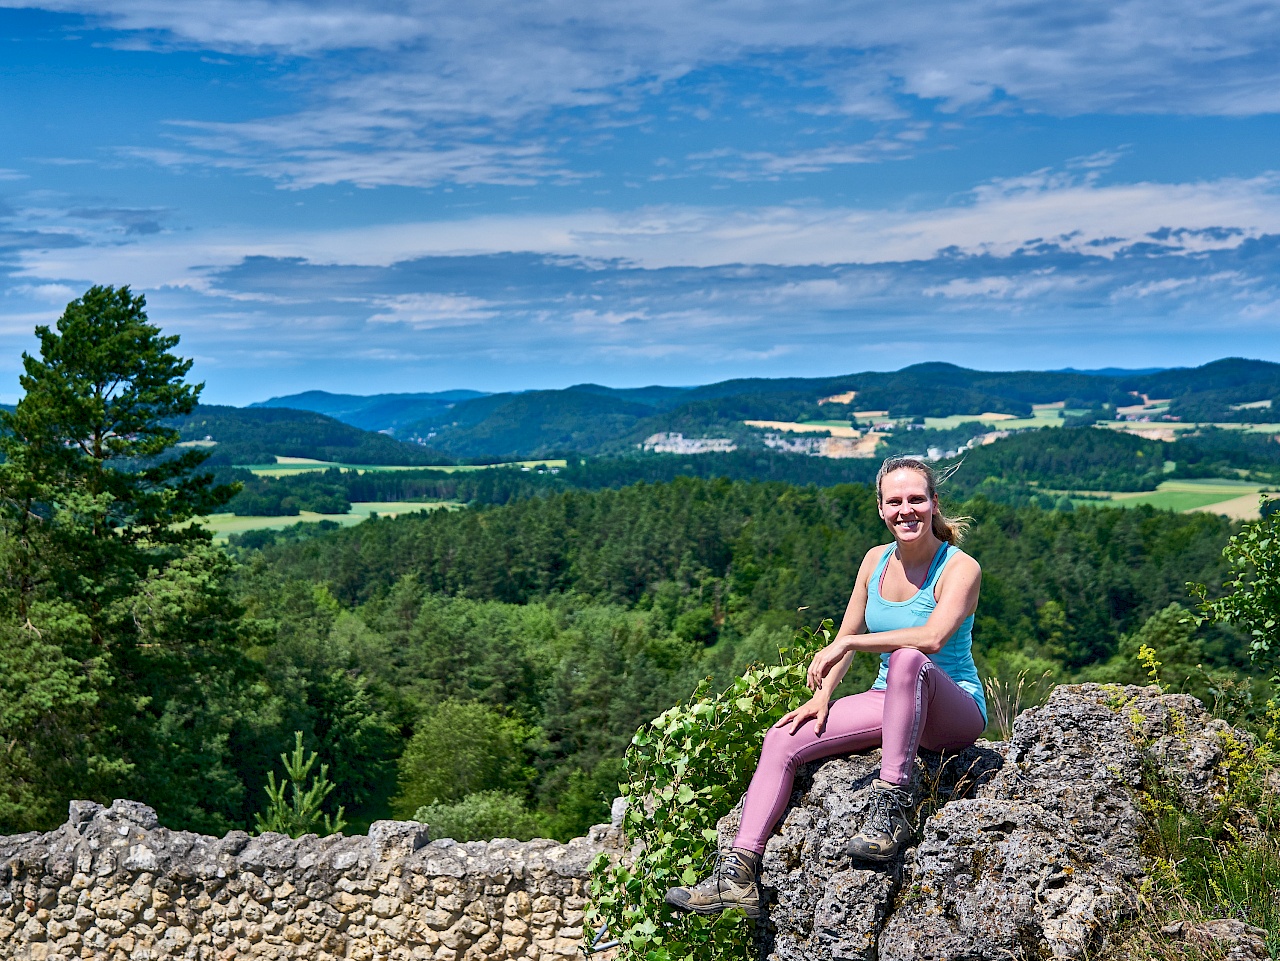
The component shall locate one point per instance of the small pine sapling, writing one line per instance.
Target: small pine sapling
(301, 813)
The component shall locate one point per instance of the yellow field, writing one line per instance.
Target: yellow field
(836, 429)
(224, 525)
(287, 466)
(1139, 427)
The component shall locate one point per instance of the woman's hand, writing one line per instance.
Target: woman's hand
(822, 663)
(816, 708)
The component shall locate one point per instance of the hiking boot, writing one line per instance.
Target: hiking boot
(732, 884)
(887, 827)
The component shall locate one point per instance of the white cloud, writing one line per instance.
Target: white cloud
(288, 26)
(48, 293)
(252, 149)
(424, 91)
(1177, 55)
(1036, 284)
(998, 219)
(1182, 285)
(431, 311)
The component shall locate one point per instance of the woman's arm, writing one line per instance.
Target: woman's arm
(819, 705)
(957, 598)
(824, 684)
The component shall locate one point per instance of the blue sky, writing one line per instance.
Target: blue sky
(417, 195)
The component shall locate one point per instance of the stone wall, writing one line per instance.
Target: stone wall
(1028, 850)
(112, 883)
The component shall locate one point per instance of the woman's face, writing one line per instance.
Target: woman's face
(905, 504)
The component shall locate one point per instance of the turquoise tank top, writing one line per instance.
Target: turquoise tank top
(956, 656)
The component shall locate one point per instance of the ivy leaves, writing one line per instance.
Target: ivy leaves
(1251, 601)
(686, 769)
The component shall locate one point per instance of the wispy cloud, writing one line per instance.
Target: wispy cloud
(420, 92)
(428, 311)
(130, 221)
(1061, 212)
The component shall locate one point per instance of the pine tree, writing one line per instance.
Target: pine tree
(101, 570)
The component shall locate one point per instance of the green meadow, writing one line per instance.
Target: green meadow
(1187, 495)
(224, 525)
(288, 466)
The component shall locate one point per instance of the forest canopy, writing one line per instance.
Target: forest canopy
(522, 639)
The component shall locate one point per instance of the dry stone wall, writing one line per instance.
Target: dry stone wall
(112, 883)
(1028, 850)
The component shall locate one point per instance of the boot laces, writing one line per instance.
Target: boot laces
(883, 805)
(731, 867)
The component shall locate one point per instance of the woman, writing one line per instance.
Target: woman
(912, 603)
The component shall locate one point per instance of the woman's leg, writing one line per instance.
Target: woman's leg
(923, 705)
(853, 725)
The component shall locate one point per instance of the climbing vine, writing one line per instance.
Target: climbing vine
(1251, 598)
(685, 770)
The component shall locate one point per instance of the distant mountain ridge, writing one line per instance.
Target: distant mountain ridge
(243, 435)
(1113, 371)
(591, 418)
(379, 412)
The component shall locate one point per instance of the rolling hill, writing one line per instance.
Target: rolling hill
(258, 435)
(377, 412)
(590, 418)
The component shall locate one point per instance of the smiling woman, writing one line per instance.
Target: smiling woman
(913, 604)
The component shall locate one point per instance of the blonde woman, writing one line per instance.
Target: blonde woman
(912, 604)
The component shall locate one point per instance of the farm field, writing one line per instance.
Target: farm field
(224, 525)
(1176, 427)
(288, 466)
(837, 428)
(1235, 499)
(1039, 418)
(841, 428)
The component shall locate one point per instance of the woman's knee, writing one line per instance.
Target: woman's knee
(906, 662)
(780, 747)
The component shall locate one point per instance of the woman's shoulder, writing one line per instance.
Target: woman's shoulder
(959, 560)
(871, 559)
(875, 554)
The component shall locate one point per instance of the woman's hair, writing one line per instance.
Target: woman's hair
(949, 529)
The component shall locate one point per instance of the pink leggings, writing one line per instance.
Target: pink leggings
(921, 705)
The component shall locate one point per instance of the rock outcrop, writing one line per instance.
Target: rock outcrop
(1034, 854)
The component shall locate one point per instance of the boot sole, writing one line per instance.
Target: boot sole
(705, 910)
(867, 856)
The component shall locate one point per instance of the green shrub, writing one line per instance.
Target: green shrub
(1223, 863)
(1252, 599)
(460, 748)
(685, 770)
(1172, 633)
(481, 817)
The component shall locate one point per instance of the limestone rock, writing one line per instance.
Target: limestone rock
(1026, 850)
(823, 903)
(1032, 849)
(397, 838)
(1245, 942)
(1001, 879)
